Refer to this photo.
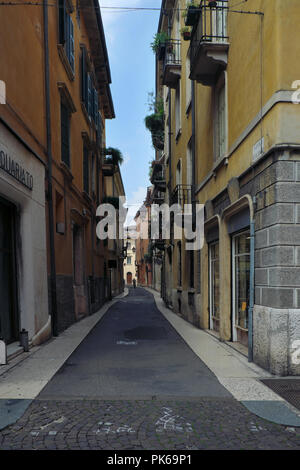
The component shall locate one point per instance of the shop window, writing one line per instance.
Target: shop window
(241, 282)
(214, 285)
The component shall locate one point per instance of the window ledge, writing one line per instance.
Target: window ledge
(178, 134)
(66, 171)
(188, 108)
(87, 117)
(87, 197)
(65, 61)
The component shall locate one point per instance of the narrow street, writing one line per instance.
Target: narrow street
(134, 383)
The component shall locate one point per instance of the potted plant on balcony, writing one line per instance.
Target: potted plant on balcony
(154, 122)
(212, 3)
(113, 156)
(186, 33)
(191, 14)
(159, 44)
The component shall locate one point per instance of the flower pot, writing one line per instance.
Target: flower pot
(212, 3)
(192, 15)
(161, 51)
(187, 36)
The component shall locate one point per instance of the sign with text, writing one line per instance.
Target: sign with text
(15, 170)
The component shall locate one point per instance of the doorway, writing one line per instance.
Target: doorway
(9, 321)
(129, 279)
(240, 286)
(214, 287)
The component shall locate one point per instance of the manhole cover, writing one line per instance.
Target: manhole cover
(146, 332)
(289, 389)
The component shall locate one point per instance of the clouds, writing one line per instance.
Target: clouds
(112, 18)
(134, 202)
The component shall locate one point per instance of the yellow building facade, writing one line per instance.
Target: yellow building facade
(231, 143)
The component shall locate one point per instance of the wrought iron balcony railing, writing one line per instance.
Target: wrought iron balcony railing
(182, 194)
(209, 35)
(172, 63)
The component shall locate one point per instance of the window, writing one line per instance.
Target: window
(89, 94)
(65, 133)
(93, 175)
(128, 245)
(214, 282)
(179, 275)
(241, 280)
(66, 32)
(189, 164)
(191, 269)
(188, 82)
(219, 21)
(86, 170)
(128, 259)
(177, 111)
(220, 121)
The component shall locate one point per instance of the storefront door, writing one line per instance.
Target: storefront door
(214, 286)
(241, 285)
(8, 301)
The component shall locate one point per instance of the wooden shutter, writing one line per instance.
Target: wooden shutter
(90, 95)
(86, 182)
(71, 42)
(62, 18)
(83, 77)
(95, 110)
(65, 134)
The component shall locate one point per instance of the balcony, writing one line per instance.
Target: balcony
(182, 194)
(158, 196)
(209, 43)
(108, 167)
(172, 63)
(158, 178)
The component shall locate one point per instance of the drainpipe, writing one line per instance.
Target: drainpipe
(170, 122)
(193, 195)
(251, 296)
(49, 175)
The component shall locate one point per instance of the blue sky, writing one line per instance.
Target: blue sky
(132, 62)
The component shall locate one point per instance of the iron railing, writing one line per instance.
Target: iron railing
(182, 194)
(211, 25)
(172, 53)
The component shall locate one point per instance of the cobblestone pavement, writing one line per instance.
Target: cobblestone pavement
(145, 424)
(134, 384)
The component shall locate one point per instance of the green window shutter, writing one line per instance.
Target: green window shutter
(62, 19)
(83, 76)
(95, 111)
(65, 134)
(90, 95)
(72, 47)
(86, 179)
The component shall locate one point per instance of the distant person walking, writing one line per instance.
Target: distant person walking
(134, 283)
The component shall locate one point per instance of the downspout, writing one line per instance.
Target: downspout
(193, 194)
(49, 174)
(251, 295)
(170, 124)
